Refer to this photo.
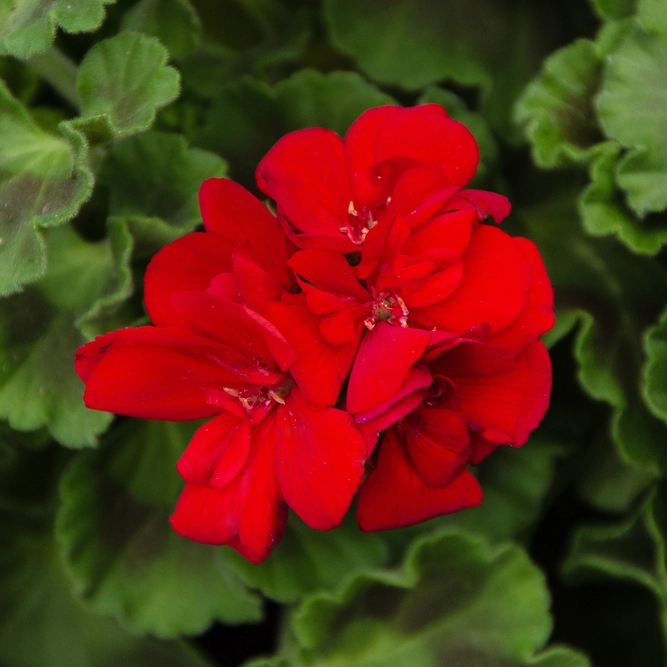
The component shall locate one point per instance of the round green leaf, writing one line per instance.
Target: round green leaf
(122, 82)
(631, 107)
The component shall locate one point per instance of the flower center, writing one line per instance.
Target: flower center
(358, 224)
(387, 307)
(256, 397)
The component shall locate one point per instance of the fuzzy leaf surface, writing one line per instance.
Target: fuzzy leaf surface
(41, 623)
(122, 82)
(44, 179)
(29, 26)
(455, 600)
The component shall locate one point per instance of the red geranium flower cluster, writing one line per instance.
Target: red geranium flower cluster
(378, 301)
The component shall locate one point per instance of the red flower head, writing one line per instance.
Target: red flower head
(210, 355)
(379, 277)
(441, 313)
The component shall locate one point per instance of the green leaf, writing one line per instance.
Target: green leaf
(614, 295)
(248, 117)
(633, 549)
(556, 109)
(111, 310)
(414, 44)
(455, 600)
(153, 181)
(44, 179)
(496, 45)
(655, 371)
(38, 385)
(631, 110)
(652, 16)
(515, 483)
(119, 548)
(29, 464)
(42, 625)
(29, 26)
(262, 39)
(174, 22)
(614, 9)
(122, 82)
(308, 560)
(604, 211)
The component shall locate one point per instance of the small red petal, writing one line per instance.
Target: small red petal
(305, 173)
(330, 272)
(437, 441)
(252, 339)
(483, 203)
(383, 362)
(249, 514)
(494, 287)
(538, 315)
(438, 142)
(506, 407)
(360, 154)
(217, 452)
(394, 495)
(319, 460)
(152, 373)
(189, 263)
(256, 286)
(320, 367)
(232, 213)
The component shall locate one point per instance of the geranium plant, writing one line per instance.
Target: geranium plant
(332, 333)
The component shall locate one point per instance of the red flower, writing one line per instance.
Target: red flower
(379, 276)
(332, 193)
(210, 355)
(439, 319)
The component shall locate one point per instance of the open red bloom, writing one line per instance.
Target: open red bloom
(210, 355)
(332, 193)
(380, 289)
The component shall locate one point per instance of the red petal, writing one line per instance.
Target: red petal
(480, 448)
(437, 442)
(484, 204)
(319, 460)
(371, 429)
(494, 288)
(394, 495)
(252, 340)
(305, 173)
(233, 213)
(538, 315)
(417, 378)
(506, 407)
(329, 272)
(320, 367)
(249, 514)
(151, 373)
(360, 154)
(255, 284)
(443, 238)
(385, 357)
(338, 328)
(433, 289)
(416, 194)
(469, 357)
(217, 452)
(189, 263)
(438, 142)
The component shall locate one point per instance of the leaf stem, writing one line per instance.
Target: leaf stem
(58, 71)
